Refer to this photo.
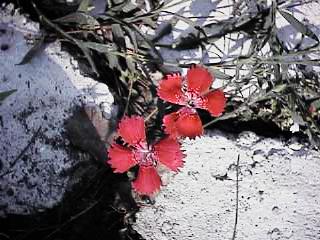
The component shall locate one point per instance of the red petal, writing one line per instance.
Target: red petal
(215, 102)
(170, 89)
(148, 181)
(184, 123)
(199, 79)
(169, 153)
(121, 158)
(132, 129)
(169, 123)
(189, 123)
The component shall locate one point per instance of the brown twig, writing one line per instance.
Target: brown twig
(237, 201)
(151, 114)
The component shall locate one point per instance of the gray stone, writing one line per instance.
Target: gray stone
(34, 151)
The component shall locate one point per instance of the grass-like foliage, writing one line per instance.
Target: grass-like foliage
(269, 80)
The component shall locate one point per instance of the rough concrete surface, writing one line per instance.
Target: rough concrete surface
(279, 191)
(279, 183)
(34, 152)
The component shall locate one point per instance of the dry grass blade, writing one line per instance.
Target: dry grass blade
(131, 80)
(237, 200)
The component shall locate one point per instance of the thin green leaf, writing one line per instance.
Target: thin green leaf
(167, 4)
(99, 47)
(133, 39)
(138, 32)
(279, 88)
(5, 94)
(80, 18)
(87, 54)
(132, 36)
(37, 48)
(131, 64)
(109, 50)
(219, 74)
(84, 6)
(184, 19)
(305, 30)
(113, 60)
(117, 6)
(84, 49)
(163, 31)
(129, 7)
(149, 22)
(118, 35)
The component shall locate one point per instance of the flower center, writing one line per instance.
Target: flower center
(193, 99)
(144, 155)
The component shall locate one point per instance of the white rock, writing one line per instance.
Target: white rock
(295, 146)
(278, 194)
(295, 128)
(47, 89)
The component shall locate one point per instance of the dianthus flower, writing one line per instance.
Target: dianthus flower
(138, 152)
(192, 91)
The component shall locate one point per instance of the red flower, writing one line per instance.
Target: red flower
(167, 151)
(192, 92)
